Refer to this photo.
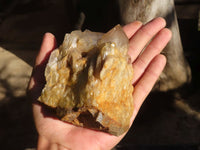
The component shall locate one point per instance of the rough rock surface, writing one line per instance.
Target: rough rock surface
(89, 81)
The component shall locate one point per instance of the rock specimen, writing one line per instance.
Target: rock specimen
(89, 81)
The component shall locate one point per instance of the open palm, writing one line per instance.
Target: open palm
(147, 64)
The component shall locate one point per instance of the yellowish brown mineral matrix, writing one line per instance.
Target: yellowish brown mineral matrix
(89, 81)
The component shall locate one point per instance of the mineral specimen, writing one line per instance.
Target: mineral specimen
(89, 81)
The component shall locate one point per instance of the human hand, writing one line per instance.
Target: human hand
(147, 65)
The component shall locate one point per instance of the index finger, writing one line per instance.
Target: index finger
(131, 28)
(142, 37)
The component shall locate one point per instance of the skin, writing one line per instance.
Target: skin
(148, 65)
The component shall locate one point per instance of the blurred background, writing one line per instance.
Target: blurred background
(167, 120)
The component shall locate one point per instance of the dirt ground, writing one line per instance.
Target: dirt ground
(167, 121)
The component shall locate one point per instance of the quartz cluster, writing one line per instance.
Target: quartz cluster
(89, 81)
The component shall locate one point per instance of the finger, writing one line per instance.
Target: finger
(43, 143)
(154, 48)
(48, 44)
(61, 147)
(143, 36)
(147, 81)
(131, 28)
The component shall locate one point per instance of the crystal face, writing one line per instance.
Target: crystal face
(89, 81)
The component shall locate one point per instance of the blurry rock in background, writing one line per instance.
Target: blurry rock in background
(14, 75)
